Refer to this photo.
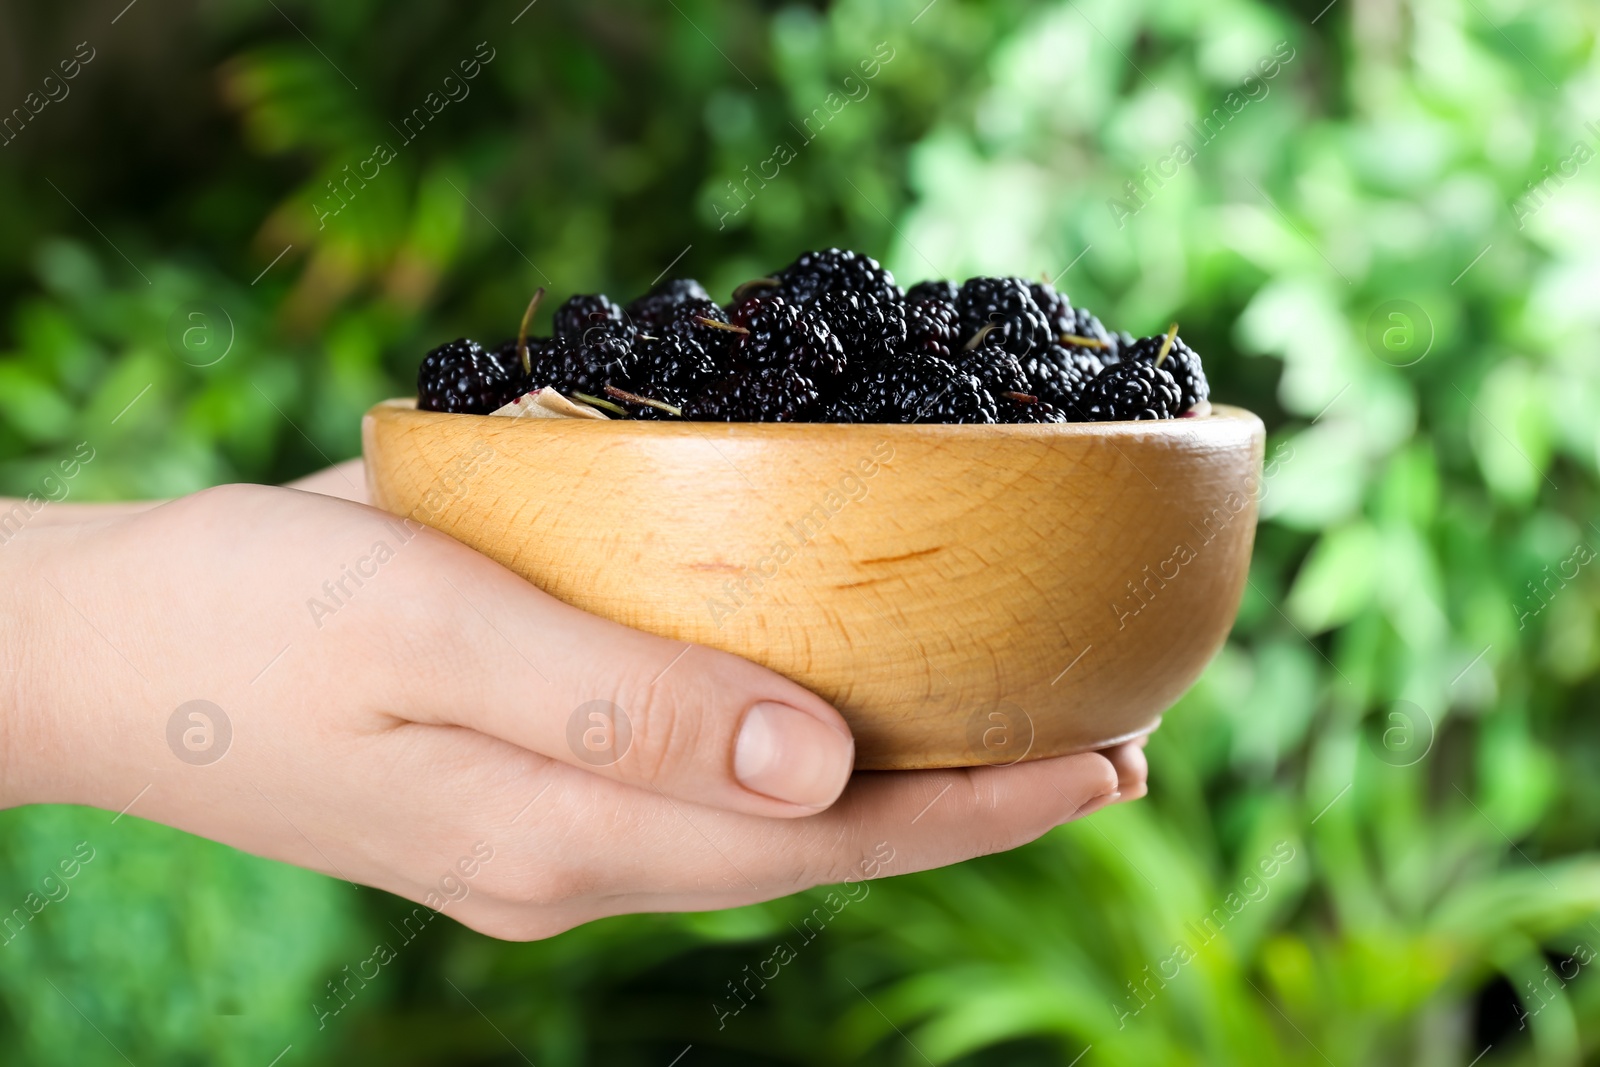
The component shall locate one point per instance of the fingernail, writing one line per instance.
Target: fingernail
(1095, 805)
(788, 755)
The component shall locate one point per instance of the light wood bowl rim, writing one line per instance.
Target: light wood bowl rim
(1219, 414)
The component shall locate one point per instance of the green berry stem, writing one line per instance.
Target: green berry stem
(597, 402)
(749, 288)
(715, 325)
(635, 398)
(1082, 342)
(522, 331)
(1166, 346)
(977, 338)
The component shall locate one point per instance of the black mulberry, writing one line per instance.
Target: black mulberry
(757, 394)
(1180, 361)
(1086, 333)
(816, 273)
(1006, 304)
(671, 364)
(589, 316)
(921, 388)
(654, 309)
(1021, 409)
(775, 333)
(461, 377)
(932, 327)
(1131, 391)
(996, 368)
(588, 366)
(934, 289)
(1055, 306)
(871, 327)
(544, 361)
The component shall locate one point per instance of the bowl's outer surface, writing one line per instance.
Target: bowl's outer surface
(963, 594)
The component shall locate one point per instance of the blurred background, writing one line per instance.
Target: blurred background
(1381, 230)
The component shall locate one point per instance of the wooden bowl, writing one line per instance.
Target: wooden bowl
(962, 594)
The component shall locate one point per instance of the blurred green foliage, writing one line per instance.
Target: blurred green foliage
(1404, 709)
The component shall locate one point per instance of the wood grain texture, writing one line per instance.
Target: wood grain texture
(963, 594)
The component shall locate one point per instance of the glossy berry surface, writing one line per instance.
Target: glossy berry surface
(590, 316)
(933, 327)
(1055, 307)
(988, 360)
(544, 362)
(1085, 325)
(671, 364)
(757, 394)
(461, 377)
(814, 274)
(781, 334)
(509, 359)
(655, 308)
(934, 289)
(1057, 381)
(1131, 391)
(871, 327)
(588, 366)
(921, 388)
(1017, 411)
(1181, 361)
(1008, 305)
(688, 322)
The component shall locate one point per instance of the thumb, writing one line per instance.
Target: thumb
(689, 721)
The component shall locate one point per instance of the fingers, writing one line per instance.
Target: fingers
(68, 514)
(663, 854)
(1132, 769)
(906, 820)
(935, 818)
(347, 481)
(695, 724)
(646, 851)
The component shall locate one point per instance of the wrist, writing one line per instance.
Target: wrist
(29, 644)
(64, 514)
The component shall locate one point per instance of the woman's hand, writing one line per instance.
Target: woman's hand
(309, 679)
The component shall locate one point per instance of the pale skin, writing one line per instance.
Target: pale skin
(425, 721)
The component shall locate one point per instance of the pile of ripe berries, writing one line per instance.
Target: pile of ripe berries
(830, 338)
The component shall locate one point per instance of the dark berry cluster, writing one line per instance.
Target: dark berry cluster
(831, 338)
